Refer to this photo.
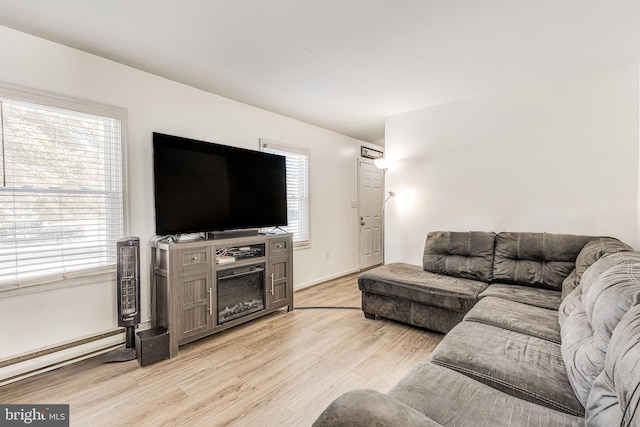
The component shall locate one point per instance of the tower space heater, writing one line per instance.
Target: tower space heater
(128, 299)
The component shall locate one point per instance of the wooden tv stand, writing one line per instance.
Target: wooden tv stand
(185, 276)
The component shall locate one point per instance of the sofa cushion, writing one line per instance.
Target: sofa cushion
(518, 317)
(366, 408)
(589, 254)
(411, 312)
(453, 399)
(526, 367)
(604, 263)
(594, 250)
(610, 287)
(615, 397)
(412, 283)
(544, 298)
(569, 284)
(536, 259)
(461, 254)
(568, 304)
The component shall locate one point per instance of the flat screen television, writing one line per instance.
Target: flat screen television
(201, 186)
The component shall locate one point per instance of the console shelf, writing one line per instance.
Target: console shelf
(190, 299)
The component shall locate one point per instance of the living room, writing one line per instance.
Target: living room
(556, 152)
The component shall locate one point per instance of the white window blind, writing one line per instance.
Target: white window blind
(297, 160)
(61, 194)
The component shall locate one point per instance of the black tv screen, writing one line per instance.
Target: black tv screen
(201, 186)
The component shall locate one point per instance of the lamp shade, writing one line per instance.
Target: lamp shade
(381, 163)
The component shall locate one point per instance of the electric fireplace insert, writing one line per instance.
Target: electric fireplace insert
(240, 292)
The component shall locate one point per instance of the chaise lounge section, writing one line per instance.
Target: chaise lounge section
(556, 342)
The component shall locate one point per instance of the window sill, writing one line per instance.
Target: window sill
(56, 281)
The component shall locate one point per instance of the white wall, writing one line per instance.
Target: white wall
(560, 156)
(33, 321)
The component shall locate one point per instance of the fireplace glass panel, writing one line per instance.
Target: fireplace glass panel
(240, 292)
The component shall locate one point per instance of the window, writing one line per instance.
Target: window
(297, 188)
(61, 185)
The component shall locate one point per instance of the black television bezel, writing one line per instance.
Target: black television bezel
(189, 143)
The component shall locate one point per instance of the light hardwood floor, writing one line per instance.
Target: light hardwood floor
(280, 370)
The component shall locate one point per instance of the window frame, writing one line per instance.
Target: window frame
(51, 99)
(300, 150)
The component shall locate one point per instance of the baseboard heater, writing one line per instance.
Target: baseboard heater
(116, 338)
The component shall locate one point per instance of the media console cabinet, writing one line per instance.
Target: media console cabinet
(206, 286)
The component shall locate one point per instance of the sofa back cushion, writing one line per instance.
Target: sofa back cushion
(609, 288)
(615, 395)
(460, 254)
(590, 253)
(594, 250)
(536, 259)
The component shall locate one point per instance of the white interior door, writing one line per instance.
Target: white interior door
(370, 194)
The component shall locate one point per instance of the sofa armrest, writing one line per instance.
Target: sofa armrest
(364, 408)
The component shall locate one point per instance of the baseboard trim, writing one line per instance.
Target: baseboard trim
(301, 286)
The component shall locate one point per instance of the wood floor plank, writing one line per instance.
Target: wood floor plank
(279, 370)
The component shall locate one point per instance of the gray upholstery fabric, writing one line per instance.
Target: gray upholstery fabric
(569, 284)
(460, 254)
(412, 283)
(411, 312)
(455, 400)
(615, 392)
(526, 367)
(568, 304)
(518, 317)
(594, 250)
(574, 299)
(590, 253)
(610, 287)
(604, 264)
(536, 259)
(366, 408)
(545, 298)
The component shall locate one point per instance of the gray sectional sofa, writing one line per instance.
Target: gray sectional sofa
(542, 330)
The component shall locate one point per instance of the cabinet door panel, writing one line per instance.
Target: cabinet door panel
(279, 293)
(278, 283)
(279, 270)
(196, 305)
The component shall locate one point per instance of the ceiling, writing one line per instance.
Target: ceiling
(343, 64)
